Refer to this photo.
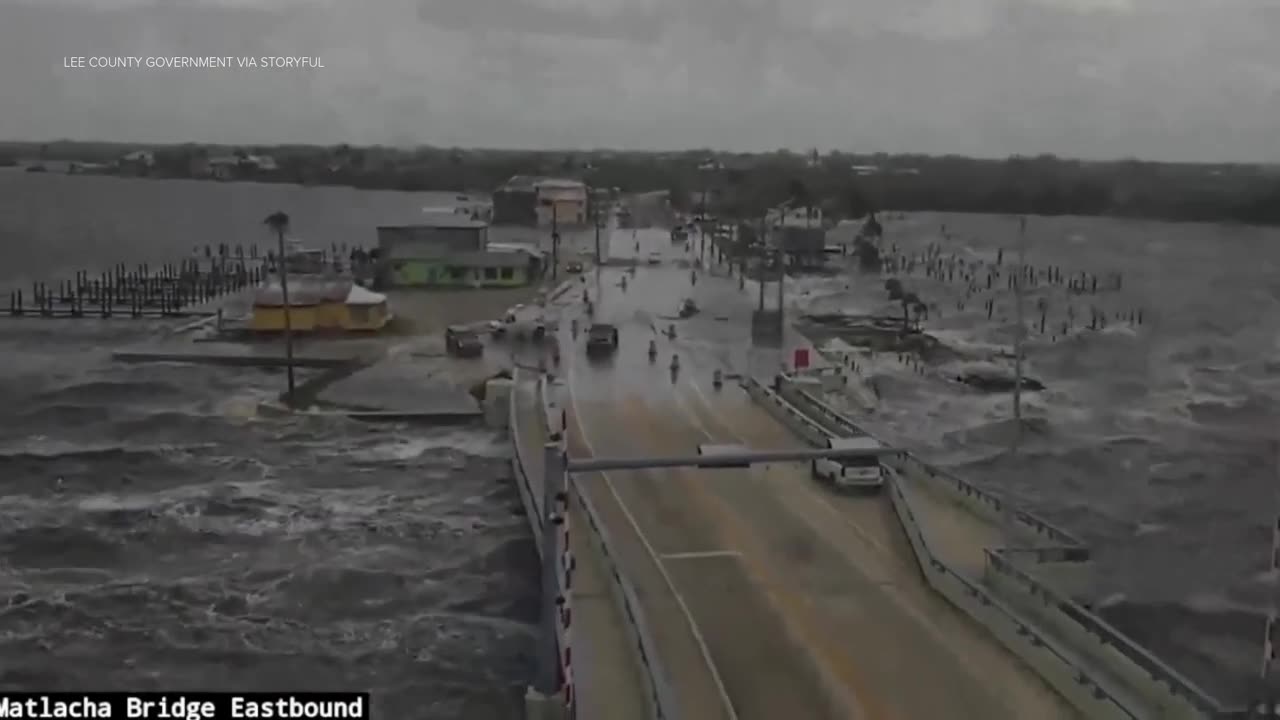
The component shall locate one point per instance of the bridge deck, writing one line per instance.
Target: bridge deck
(767, 595)
(609, 681)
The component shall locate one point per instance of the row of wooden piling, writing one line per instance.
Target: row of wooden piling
(982, 277)
(168, 290)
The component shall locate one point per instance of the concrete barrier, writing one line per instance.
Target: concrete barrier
(531, 500)
(1122, 678)
(662, 701)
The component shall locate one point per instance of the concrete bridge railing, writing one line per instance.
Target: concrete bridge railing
(1161, 691)
(1163, 686)
(553, 420)
(552, 695)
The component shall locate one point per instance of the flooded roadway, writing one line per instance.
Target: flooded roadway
(766, 596)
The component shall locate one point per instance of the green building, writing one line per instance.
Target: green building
(474, 269)
(450, 251)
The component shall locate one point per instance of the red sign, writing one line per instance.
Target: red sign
(801, 358)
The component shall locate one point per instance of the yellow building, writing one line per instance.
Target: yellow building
(363, 310)
(318, 304)
(269, 310)
(332, 311)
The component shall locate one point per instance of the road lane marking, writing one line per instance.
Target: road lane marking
(849, 678)
(653, 555)
(702, 555)
(892, 588)
(825, 502)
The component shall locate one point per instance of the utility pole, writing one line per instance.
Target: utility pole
(278, 222)
(782, 274)
(1020, 339)
(555, 240)
(761, 262)
(598, 219)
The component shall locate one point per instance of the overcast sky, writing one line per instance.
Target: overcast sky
(1159, 79)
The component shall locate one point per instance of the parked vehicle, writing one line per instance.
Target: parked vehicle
(852, 474)
(463, 342)
(573, 267)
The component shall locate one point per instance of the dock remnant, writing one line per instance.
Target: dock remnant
(165, 291)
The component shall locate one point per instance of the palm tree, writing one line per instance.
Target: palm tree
(893, 286)
(278, 223)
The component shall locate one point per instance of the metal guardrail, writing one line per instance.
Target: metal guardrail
(1070, 549)
(1037, 524)
(662, 699)
(1172, 680)
(799, 422)
(1074, 549)
(933, 565)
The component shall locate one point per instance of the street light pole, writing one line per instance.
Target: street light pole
(555, 240)
(278, 222)
(288, 312)
(599, 221)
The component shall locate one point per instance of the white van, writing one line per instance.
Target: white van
(852, 473)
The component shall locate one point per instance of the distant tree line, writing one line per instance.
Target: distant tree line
(744, 185)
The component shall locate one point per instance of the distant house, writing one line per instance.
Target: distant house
(542, 202)
(804, 247)
(226, 167)
(789, 215)
(450, 250)
(233, 167)
(516, 202)
(261, 163)
(562, 203)
(138, 162)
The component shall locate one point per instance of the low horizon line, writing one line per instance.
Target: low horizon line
(648, 151)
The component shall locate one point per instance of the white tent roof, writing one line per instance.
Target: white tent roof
(361, 296)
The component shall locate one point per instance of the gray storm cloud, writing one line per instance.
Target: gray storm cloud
(1096, 78)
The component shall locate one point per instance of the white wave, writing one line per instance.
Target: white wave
(470, 442)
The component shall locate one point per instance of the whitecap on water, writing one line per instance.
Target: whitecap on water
(470, 442)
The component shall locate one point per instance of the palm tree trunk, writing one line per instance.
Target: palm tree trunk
(288, 312)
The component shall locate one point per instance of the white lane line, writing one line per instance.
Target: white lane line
(657, 561)
(701, 555)
(891, 588)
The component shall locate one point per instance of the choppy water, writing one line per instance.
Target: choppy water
(193, 544)
(1154, 442)
(156, 533)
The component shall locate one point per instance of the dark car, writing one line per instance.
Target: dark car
(602, 339)
(463, 342)
(574, 267)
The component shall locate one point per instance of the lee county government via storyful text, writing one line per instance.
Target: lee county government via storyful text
(132, 62)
